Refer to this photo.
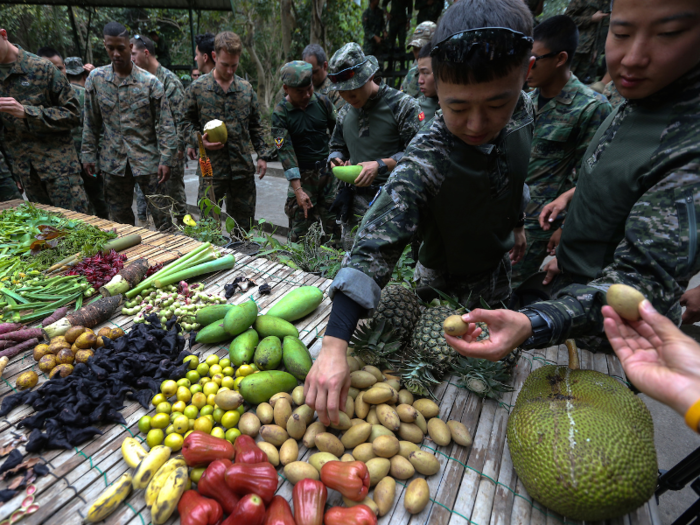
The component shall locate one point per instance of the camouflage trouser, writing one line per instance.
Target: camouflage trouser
(535, 253)
(65, 191)
(119, 194)
(175, 188)
(492, 286)
(321, 190)
(141, 206)
(360, 204)
(8, 189)
(240, 197)
(397, 29)
(94, 188)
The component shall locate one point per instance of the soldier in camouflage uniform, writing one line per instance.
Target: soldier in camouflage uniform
(8, 186)
(316, 56)
(429, 10)
(301, 124)
(373, 24)
(564, 126)
(227, 97)
(399, 21)
(373, 129)
(634, 215)
(421, 38)
(613, 95)
(593, 20)
(428, 100)
(38, 109)
(128, 115)
(143, 55)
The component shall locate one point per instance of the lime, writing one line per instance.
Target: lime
(210, 388)
(158, 399)
(212, 360)
(191, 411)
(225, 362)
(230, 419)
(232, 434)
(192, 376)
(179, 406)
(145, 424)
(204, 424)
(217, 378)
(168, 388)
(164, 408)
(154, 437)
(181, 424)
(160, 420)
(195, 388)
(218, 432)
(174, 416)
(184, 394)
(199, 400)
(214, 369)
(169, 430)
(241, 410)
(206, 410)
(227, 371)
(203, 369)
(218, 413)
(193, 361)
(174, 441)
(228, 382)
(184, 382)
(196, 473)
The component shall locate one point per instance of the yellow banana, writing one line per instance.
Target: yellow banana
(169, 496)
(110, 499)
(150, 465)
(161, 476)
(133, 452)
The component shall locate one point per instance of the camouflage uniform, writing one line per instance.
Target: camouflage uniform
(421, 37)
(373, 24)
(175, 185)
(379, 130)
(426, 194)
(232, 165)
(39, 149)
(428, 105)
(8, 186)
(564, 127)
(591, 37)
(138, 134)
(638, 202)
(409, 85)
(301, 137)
(429, 12)
(613, 95)
(334, 95)
(401, 13)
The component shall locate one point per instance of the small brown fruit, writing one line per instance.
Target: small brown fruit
(56, 347)
(47, 363)
(86, 340)
(61, 371)
(73, 333)
(65, 357)
(625, 300)
(116, 333)
(454, 325)
(27, 380)
(104, 331)
(40, 351)
(82, 356)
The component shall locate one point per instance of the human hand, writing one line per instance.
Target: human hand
(303, 201)
(335, 161)
(89, 168)
(327, 383)
(262, 168)
(657, 357)
(88, 67)
(691, 301)
(552, 269)
(369, 172)
(192, 153)
(552, 210)
(599, 15)
(377, 39)
(19, 186)
(518, 251)
(211, 145)
(163, 173)
(507, 330)
(13, 107)
(554, 242)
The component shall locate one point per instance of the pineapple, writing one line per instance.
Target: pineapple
(485, 378)
(375, 342)
(429, 340)
(399, 306)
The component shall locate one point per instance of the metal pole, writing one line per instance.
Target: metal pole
(75, 29)
(194, 46)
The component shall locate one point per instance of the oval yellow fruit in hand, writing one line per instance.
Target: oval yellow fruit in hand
(625, 300)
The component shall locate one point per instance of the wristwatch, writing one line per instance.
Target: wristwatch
(383, 169)
(541, 331)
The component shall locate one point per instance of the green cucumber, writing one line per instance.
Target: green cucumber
(260, 387)
(239, 318)
(209, 314)
(298, 303)
(242, 348)
(268, 354)
(267, 325)
(347, 173)
(212, 333)
(296, 357)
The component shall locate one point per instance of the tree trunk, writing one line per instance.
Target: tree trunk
(249, 42)
(288, 25)
(318, 29)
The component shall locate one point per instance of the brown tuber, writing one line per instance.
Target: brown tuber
(27, 380)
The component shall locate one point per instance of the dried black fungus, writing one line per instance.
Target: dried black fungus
(14, 459)
(264, 289)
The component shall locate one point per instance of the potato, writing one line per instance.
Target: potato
(55, 348)
(405, 397)
(289, 451)
(312, 431)
(100, 341)
(281, 412)
(321, 458)
(58, 339)
(411, 432)
(47, 363)
(367, 501)
(327, 442)
(27, 380)
(285, 395)
(388, 417)
(374, 371)
(298, 395)
(355, 435)
(454, 326)
(104, 332)
(424, 462)
(65, 357)
(343, 422)
(378, 469)
(82, 356)
(417, 496)
(114, 333)
(384, 494)
(274, 434)
(249, 424)
(298, 470)
(385, 446)
(296, 426)
(407, 413)
(439, 432)
(377, 395)
(273, 456)
(73, 333)
(406, 447)
(427, 407)
(625, 300)
(460, 434)
(401, 468)
(61, 370)
(86, 340)
(361, 379)
(361, 408)
(364, 452)
(75, 349)
(379, 430)
(40, 351)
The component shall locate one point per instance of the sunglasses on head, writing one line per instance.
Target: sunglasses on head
(138, 37)
(495, 42)
(346, 74)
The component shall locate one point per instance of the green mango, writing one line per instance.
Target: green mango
(243, 347)
(347, 173)
(296, 357)
(298, 303)
(259, 388)
(212, 333)
(268, 354)
(209, 314)
(240, 317)
(267, 325)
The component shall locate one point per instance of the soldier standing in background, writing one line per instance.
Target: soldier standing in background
(128, 106)
(53, 56)
(421, 38)
(316, 56)
(592, 18)
(8, 185)
(373, 24)
(428, 100)
(399, 21)
(429, 10)
(38, 109)
(143, 55)
(301, 124)
(204, 53)
(227, 97)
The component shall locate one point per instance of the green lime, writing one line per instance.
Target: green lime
(193, 361)
(191, 411)
(195, 388)
(202, 369)
(241, 410)
(232, 434)
(192, 376)
(206, 410)
(230, 419)
(225, 362)
(154, 437)
(164, 408)
(218, 432)
(160, 421)
(196, 473)
(145, 424)
(218, 413)
(184, 382)
(174, 441)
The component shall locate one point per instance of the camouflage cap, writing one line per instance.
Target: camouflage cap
(350, 61)
(296, 74)
(74, 66)
(423, 34)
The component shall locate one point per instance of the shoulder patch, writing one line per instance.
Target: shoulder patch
(421, 116)
(279, 141)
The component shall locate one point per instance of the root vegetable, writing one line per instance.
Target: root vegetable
(58, 314)
(3, 363)
(14, 350)
(21, 335)
(88, 316)
(10, 327)
(126, 279)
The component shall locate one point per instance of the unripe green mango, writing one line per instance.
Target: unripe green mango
(347, 173)
(297, 303)
(243, 347)
(296, 357)
(267, 325)
(215, 312)
(212, 333)
(259, 388)
(268, 354)
(240, 317)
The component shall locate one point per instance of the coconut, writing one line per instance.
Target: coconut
(216, 131)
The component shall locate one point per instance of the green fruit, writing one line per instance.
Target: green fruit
(243, 347)
(216, 131)
(347, 173)
(193, 360)
(212, 333)
(174, 441)
(160, 421)
(267, 325)
(298, 303)
(169, 430)
(195, 388)
(206, 410)
(296, 357)
(218, 414)
(168, 388)
(145, 424)
(211, 314)
(571, 433)
(230, 419)
(191, 412)
(193, 377)
(225, 362)
(259, 388)
(232, 434)
(155, 437)
(174, 416)
(181, 424)
(239, 318)
(184, 382)
(268, 354)
(212, 360)
(218, 432)
(164, 408)
(203, 370)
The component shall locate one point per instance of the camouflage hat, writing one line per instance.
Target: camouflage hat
(296, 74)
(349, 68)
(74, 66)
(423, 34)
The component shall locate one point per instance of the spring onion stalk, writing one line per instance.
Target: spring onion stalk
(223, 263)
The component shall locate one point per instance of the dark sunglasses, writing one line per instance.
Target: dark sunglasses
(546, 55)
(495, 42)
(346, 74)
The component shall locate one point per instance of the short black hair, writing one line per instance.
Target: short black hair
(143, 42)
(316, 51)
(115, 29)
(77, 77)
(48, 52)
(205, 43)
(474, 14)
(425, 51)
(559, 33)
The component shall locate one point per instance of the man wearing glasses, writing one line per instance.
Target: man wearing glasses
(316, 56)
(567, 116)
(194, 74)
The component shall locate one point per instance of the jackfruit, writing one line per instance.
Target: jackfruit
(582, 443)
